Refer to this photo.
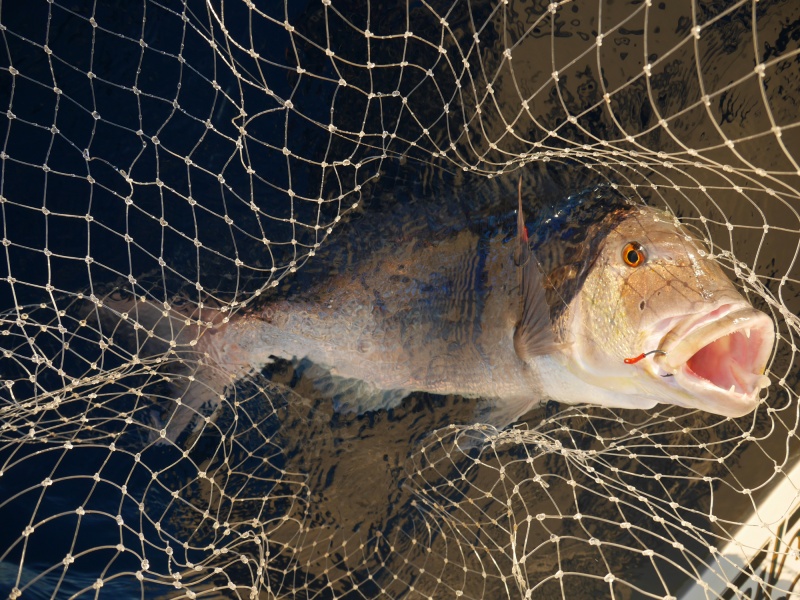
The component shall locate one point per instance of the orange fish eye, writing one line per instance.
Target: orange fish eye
(633, 254)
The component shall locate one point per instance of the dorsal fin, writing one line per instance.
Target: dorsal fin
(533, 335)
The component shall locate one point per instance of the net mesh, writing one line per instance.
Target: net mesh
(200, 154)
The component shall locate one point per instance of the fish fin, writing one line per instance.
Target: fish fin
(533, 335)
(502, 413)
(349, 395)
(493, 416)
(173, 337)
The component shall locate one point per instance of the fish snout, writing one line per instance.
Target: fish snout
(717, 358)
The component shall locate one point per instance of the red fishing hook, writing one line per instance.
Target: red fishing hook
(636, 359)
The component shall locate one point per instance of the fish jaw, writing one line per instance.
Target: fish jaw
(715, 360)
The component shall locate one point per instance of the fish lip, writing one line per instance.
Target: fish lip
(716, 343)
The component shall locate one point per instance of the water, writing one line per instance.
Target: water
(339, 505)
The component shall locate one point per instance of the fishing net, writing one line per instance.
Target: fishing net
(194, 156)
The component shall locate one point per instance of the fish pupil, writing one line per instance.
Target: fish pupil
(632, 254)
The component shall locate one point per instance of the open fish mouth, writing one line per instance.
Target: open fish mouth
(719, 358)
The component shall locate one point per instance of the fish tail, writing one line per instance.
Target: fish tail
(173, 340)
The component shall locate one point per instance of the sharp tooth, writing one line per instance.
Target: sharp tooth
(733, 387)
(747, 332)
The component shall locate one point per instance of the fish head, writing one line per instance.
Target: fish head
(653, 290)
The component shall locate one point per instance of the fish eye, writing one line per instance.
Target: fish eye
(633, 254)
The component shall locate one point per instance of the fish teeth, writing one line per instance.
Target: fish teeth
(733, 387)
(747, 332)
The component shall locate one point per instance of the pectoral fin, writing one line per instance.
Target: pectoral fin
(533, 335)
(502, 413)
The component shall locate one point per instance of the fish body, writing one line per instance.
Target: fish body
(551, 310)
(437, 317)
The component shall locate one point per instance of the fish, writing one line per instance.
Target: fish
(601, 302)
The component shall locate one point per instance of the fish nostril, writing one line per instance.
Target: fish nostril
(641, 305)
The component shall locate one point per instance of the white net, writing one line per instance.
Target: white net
(190, 154)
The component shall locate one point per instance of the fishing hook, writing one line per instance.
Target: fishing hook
(636, 359)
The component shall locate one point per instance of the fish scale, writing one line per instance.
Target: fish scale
(551, 311)
(437, 328)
